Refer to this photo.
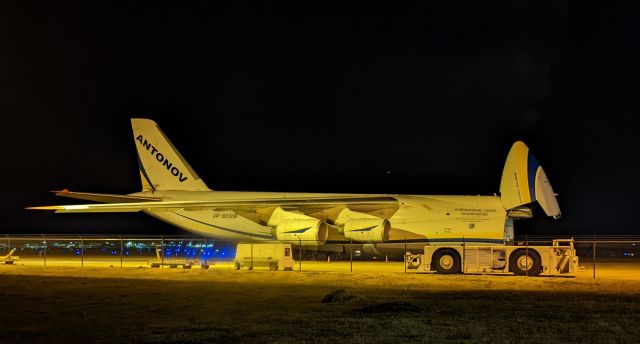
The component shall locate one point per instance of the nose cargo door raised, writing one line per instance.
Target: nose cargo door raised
(545, 195)
(524, 181)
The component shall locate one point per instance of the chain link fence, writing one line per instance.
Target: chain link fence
(599, 256)
(121, 251)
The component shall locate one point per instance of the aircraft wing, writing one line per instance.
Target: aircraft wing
(371, 204)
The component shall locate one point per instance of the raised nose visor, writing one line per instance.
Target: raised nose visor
(524, 181)
(545, 195)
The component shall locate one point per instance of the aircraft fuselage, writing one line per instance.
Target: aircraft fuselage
(435, 218)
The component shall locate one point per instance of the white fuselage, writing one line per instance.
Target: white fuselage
(431, 218)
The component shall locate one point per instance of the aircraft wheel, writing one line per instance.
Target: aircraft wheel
(204, 266)
(446, 262)
(525, 263)
(237, 265)
(273, 266)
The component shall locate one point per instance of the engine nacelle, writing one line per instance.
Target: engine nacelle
(305, 232)
(363, 227)
(367, 230)
(298, 229)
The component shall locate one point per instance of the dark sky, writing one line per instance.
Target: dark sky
(417, 99)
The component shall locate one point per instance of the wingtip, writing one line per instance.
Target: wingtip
(60, 191)
(47, 207)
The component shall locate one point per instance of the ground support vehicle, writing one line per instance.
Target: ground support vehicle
(273, 256)
(559, 259)
(175, 262)
(9, 258)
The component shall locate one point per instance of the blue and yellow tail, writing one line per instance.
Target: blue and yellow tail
(524, 181)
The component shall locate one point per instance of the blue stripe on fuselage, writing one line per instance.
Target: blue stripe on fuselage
(227, 229)
(468, 240)
(532, 168)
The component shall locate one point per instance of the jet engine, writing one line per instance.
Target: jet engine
(363, 227)
(305, 232)
(298, 229)
(367, 230)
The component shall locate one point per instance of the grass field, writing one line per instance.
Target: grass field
(60, 304)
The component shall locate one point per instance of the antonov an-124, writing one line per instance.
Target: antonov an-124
(174, 193)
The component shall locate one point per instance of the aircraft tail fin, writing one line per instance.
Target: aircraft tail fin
(524, 181)
(162, 167)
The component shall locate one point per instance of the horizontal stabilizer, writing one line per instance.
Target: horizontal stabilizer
(105, 198)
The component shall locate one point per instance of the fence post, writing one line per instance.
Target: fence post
(121, 249)
(300, 254)
(594, 256)
(8, 244)
(351, 255)
(44, 241)
(205, 261)
(405, 254)
(81, 251)
(162, 250)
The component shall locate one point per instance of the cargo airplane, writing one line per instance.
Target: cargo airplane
(174, 193)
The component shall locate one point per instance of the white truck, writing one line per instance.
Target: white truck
(559, 259)
(273, 256)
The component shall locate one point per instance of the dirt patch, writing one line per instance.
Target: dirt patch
(341, 296)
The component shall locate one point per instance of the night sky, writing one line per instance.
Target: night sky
(415, 99)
